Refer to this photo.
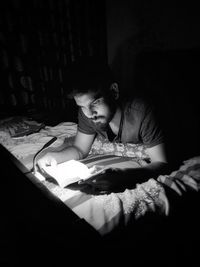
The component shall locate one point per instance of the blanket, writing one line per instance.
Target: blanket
(106, 212)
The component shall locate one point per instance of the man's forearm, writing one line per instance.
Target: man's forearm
(143, 174)
(66, 154)
(156, 168)
(118, 180)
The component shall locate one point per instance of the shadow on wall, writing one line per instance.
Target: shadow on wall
(170, 79)
(124, 65)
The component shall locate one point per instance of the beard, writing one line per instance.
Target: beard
(101, 123)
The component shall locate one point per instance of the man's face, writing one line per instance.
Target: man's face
(95, 108)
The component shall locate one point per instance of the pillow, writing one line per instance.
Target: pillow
(103, 146)
(113, 161)
(186, 178)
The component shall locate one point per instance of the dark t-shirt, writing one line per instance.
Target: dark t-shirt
(139, 125)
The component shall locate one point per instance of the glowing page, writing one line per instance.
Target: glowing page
(71, 171)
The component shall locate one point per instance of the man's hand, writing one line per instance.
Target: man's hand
(47, 160)
(117, 180)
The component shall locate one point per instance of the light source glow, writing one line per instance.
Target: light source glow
(71, 171)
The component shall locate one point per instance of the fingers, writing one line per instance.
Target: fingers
(46, 161)
(92, 187)
(95, 184)
(95, 170)
(52, 162)
(85, 188)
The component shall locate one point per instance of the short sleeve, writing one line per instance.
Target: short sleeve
(151, 131)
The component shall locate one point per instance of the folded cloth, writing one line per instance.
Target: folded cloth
(186, 178)
(19, 126)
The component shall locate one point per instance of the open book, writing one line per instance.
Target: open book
(70, 172)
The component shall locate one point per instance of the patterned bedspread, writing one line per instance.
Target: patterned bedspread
(106, 212)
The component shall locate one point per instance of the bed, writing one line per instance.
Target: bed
(109, 214)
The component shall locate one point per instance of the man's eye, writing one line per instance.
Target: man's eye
(96, 102)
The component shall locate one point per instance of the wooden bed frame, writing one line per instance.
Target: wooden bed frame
(39, 227)
(36, 221)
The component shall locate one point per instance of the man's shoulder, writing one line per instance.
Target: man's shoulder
(137, 104)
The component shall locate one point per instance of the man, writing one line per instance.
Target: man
(96, 94)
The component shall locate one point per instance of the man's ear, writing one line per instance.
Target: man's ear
(115, 90)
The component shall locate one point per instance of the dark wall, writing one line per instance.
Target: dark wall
(134, 26)
(154, 51)
(38, 42)
(152, 47)
(171, 80)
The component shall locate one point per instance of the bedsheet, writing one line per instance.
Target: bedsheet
(25, 147)
(106, 212)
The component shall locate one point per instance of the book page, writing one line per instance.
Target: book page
(71, 171)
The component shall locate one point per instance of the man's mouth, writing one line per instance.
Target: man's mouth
(100, 123)
(97, 119)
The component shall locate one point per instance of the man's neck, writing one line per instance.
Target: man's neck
(115, 122)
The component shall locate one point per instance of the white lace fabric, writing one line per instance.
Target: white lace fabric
(146, 197)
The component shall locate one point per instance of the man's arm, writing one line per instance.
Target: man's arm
(157, 153)
(77, 151)
(117, 180)
(158, 165)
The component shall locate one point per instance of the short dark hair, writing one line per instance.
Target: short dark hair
(88, 75)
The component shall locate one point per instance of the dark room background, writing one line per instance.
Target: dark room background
(152, 47)
(39, 41)
(135, 26)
